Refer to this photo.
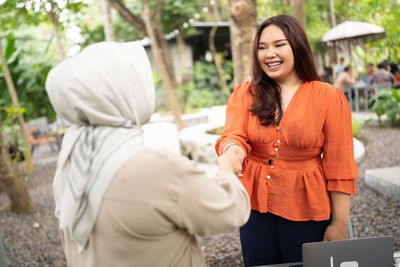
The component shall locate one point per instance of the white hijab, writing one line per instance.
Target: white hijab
(106, 92)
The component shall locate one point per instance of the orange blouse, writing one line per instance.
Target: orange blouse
(284, 172)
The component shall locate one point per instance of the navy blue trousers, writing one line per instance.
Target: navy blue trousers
(269, 239)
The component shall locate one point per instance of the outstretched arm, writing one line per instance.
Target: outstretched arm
(338, 229)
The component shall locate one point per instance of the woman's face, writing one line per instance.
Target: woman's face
(275, 55)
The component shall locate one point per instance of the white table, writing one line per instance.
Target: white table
(358, 88)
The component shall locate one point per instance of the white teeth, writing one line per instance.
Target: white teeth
(274, 64)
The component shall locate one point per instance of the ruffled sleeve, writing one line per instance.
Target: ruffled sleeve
(338, 161)
(236, 121)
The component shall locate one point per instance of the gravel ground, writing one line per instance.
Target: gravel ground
(32, 239)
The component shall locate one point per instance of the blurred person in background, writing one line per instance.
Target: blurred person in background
(338, 69)
(394, 69)
(382, 75)
(368, 73)
(326, 75)
(346, 79)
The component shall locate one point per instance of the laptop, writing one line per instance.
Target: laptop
(362, 252)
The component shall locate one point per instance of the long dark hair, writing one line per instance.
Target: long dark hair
(265, 91)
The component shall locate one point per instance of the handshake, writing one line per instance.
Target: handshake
(231, 159)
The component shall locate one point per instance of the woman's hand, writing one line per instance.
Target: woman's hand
(231, 160)
(336, 231)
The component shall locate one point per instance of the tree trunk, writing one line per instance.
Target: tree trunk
(243, 27)
(211, 41)
(54, 22)
(162, 57)
(299, 11)
(181, 53)
(14, 98)
(160, 49)
(108, 26)
(332, 11)
(128, 16)
(10, 178)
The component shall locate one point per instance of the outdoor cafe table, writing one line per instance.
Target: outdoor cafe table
(356, 88)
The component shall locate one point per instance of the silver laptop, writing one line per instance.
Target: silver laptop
(363, 252)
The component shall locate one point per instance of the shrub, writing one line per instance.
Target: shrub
(357, 128)
(387, 102)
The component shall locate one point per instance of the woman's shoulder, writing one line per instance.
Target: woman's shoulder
(169, 160)
(328, 94)
(323, 88)
(241, 92)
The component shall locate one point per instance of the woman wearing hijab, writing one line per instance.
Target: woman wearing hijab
(118, 203)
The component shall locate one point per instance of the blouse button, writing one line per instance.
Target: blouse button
(268, 177)
(273, 158)
(277, 128)
(272, 166)
(276, 149)
(278, 141)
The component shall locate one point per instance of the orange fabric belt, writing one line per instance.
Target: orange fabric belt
(287, 157)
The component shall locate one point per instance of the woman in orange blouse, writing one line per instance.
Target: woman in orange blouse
(293, 134)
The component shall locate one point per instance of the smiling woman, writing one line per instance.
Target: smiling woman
(278, 125)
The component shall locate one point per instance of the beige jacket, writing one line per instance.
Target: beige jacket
(153, 208)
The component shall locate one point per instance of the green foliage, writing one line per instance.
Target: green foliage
(176, 13)
(269, 8)
(205, 75)
(92, 34)
(202, 90)
(10, 127)
(205, 89)
(29, 76)
(317, 16)
(91, 25)
(201, 97)
(29, 12)
(357, 128)
(387, 102)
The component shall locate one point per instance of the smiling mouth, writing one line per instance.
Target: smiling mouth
(274, 64)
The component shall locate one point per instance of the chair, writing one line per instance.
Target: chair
(376, 87)
(38, 133)
(348, 93)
